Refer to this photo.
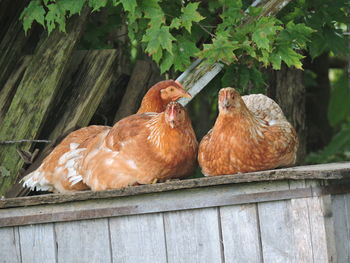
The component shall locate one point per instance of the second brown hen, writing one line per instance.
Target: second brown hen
(250, 134)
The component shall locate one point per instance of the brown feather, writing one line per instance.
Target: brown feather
(242, 141)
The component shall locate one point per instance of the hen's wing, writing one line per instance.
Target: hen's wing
(57, 171)
(264, 107)
(115, 163)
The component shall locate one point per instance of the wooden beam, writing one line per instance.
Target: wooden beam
(333, 171)
(212, 196)
(137, 87)
(35, 94)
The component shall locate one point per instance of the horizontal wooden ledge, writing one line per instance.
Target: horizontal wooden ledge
(330, 171)
(214, 196)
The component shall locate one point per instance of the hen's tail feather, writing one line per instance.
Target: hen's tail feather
(36, 182)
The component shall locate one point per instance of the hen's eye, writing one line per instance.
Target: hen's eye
(171, 89)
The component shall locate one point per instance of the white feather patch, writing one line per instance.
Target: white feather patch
(131, 164)
(272, 122)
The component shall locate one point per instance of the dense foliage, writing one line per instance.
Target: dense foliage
(173, 32)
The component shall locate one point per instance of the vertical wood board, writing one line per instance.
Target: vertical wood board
(83, 241)
(240, 232)
(193, 236)
(138, 238)
(341, 228)
(10, 251)
(38, 243)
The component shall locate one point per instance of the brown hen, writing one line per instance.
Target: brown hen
(140, 149)
(57, 172)
(250, 134)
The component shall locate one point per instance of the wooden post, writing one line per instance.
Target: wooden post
(11, 85)
(136, 88)
(37, 90)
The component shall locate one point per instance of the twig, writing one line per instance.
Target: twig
(23, 140)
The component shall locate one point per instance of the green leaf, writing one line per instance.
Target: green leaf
(167, 62)
(96, 4)
(298, 33)
(33, 12)
(190, 15)
(220, 50)
(276, 61)
(153, 11)
(128, 5)
(175, 23)
(4, 172)
(184, 50)
(157, 38)
(53, 16)
(289, 56)
(265, 32)
(74, 7)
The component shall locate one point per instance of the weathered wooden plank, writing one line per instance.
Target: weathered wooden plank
(10, 251)
(138, 238)
(30, 105)
(135, 90)
(341, 227)
(38, 243)
(301, 225)
(150, 203)
(83, 241)
(302, 230)
(329, 171)
(193, 236)
(277, 232)
(240, 232)
(321, 223)
(10, 87)
(12, 37)
(90, 82)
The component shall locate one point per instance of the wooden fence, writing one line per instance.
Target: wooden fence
(299, 214)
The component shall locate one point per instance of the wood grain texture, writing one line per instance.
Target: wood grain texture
(240, 232)
(341, 216)
(37, 243)
(277, 232)
(135, 90)
(10, 251)
(158, 202)
(10, 86)
(138, 238)
(328, 171)
(31, 103)
(193, 236)
(89, 82)
(83, 241)
(301, 230)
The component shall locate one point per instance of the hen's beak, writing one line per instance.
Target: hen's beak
(171, 118)
(224, 100)
(186, 94)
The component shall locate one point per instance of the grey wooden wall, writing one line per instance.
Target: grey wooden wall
(280, 221)
(279, 231)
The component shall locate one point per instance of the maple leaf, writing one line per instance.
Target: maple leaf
(190, 15)
(288, 55)
(167, 62)
(264, 32)
(220, 50)
(33, 12)
(128, 5)
(96, 4)
(74, 7)
(157, 38)
(53, 16)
